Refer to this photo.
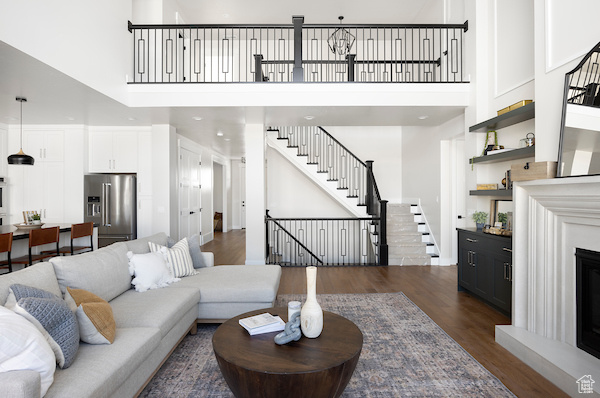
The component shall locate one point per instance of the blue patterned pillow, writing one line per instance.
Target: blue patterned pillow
(16, 292)
(52, 316)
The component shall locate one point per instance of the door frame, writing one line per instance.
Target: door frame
(226, 184)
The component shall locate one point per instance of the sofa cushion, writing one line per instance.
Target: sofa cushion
(198, 259)
(23, 347)
(178, 258)
(94, 316)
(40, 275)
(101, 369)
(104, 272)
(57, 323)
(235, 283)
(160, 308)
(150, 271)
(140, 246)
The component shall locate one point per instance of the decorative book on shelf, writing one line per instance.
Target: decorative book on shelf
(262, 323)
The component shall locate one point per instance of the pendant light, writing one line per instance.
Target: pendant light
(20, 157)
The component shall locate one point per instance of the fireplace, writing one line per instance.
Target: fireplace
(588, 301)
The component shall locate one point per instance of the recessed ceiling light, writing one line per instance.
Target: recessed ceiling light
(309, 117)
(219, 134)
(197, 118)
(227, 139)
(423, 117)
(131, 118)
(71, 118)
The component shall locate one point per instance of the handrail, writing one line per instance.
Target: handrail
(342, 146)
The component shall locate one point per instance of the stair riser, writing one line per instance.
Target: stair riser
(401, 251)
(398, 239)
(409, 260)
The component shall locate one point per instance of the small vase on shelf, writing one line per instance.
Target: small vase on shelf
(311, 316)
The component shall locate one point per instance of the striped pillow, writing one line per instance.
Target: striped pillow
(178, 258)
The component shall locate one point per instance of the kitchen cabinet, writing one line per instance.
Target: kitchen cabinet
(485, 267)
(44, 145)
(113, 152)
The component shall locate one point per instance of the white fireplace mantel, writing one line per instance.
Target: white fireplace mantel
(552, 218)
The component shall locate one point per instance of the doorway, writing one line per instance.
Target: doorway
(219, 203)
(190, 198)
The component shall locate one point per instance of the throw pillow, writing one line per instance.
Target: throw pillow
(178, 258)
(18, 291)
(195, 252)
(57, 323)
(23, 347)
(94, 316)
(150, 271)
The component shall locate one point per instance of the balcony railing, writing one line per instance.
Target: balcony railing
(297, 53)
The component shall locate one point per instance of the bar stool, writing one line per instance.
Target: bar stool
(6, 247)
(79, 231)
(38, 237)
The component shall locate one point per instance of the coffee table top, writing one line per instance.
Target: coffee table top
(340, 340)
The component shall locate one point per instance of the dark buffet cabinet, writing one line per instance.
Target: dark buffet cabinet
(485, 267)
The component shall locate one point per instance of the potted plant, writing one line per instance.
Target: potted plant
(480, 217)
(36, 219)
(503, 218)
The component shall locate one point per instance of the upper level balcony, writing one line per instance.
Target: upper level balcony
(298, 52)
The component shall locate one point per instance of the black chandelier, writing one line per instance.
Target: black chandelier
(341, 41)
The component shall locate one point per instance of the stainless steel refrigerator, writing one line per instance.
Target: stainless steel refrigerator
(110, 202)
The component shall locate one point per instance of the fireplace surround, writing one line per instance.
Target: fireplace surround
(553, 218)
(588, 300)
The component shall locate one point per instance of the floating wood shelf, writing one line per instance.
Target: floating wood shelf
(520, 153)
(508, 119)
(491, 192)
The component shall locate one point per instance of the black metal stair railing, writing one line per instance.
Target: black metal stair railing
(297, 52)
(321, 241)
(350, 173)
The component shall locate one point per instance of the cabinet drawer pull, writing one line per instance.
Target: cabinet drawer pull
(471, 240)
(507, 249)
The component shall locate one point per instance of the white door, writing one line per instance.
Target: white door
(189, 193)
(243, 195)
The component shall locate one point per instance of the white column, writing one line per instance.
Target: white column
(255, 194)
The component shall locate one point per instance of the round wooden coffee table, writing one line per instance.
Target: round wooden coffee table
(256, 366)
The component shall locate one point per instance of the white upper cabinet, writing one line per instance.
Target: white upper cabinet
(44, 145)
(113, 152)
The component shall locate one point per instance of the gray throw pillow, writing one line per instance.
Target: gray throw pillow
(53, 318)
(195, 252)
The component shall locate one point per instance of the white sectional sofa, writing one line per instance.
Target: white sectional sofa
(149, 324)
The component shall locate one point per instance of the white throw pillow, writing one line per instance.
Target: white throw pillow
(23, 347)
(178, 258)
(150, 271)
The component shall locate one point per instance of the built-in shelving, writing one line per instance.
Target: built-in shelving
(518, 115)
(491, 192)
(505, 156)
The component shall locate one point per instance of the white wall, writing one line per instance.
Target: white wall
(291, 194)
(236, 205)
(217, 188)
(97, 54)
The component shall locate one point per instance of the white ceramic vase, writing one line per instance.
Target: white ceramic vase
(311, 316)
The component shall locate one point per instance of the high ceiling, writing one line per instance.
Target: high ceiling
(54, 98)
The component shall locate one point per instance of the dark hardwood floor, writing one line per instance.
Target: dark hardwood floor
(434, 289)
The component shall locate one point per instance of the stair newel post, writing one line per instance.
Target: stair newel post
(383, 246)
(267, 236)
(298, 72)
(258, 75)
(351, 60)
(370, 193)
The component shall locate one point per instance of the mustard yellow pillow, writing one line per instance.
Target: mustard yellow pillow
(94, 316)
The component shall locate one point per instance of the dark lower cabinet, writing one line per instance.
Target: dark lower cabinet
(485, 267)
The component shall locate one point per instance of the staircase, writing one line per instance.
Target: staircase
(349, 181)
(407, 236)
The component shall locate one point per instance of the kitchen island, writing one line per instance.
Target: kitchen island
(20, 245)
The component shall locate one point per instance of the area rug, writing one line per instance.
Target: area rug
(405, 354)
